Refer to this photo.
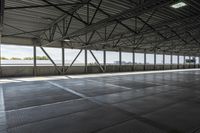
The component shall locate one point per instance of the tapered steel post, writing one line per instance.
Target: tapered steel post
(104, 60)
(63, 59)
(86, 62)
(0, 54)
(34, 61)
(184, 62)
(145, 59)
(120, 60)
(163, 60)
(133, 57)
(155, 60)
(199, 62)
(171, 61)
(178, 60)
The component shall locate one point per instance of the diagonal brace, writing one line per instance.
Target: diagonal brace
(51, 60)
(97, 61)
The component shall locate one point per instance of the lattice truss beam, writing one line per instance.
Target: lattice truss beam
(142, 26)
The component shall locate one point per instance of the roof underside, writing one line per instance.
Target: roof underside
(106, 24)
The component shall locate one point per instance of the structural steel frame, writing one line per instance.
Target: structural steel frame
(174, 36)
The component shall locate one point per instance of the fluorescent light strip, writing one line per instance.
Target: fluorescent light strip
(66, 40)
(178, 5)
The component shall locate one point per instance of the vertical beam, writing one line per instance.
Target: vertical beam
(63, 59)
(133, 57)
(86, 62)
(145, 59)
(0, 55)
(34, 59)
(104, 60)
(155, 60)
(171, 61)
(189, 61)
(2, 5)
(163, 60)
(184, 61)
(178, 60)
(120, 59)
(199, 62)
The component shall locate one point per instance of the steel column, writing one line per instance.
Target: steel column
(199, 62)
(120, 59)
(0, 54)
(2, 5)
(163, 60)
(34, 60)
(155, 60)
(178, 59)
(184, 62)
(86, 62)
(63, 59)
(145, 59)
(133, 57)
(171, 61)
(189, 61)
(104, 60)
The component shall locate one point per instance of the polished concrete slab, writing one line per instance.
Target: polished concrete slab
(161, 102)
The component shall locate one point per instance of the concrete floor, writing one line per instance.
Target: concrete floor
(131, 103)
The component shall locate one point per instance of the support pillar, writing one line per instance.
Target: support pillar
(133, 58)
(34, 59)
(155, 60)
(184, 62)
(189, 61)
(86, 62)
(163, 60)
(145, 60)
(104, 60)
(63, 59)
(171, 61)
(199, 62)
(178, 60)
(0, 55)
(120, 60)
(2, 6)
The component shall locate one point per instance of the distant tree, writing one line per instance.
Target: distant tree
(41, 58)
(15, 58)
(93, 64)
(28, 58)
(3, 58)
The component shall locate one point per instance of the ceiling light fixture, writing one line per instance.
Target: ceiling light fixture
(178, 4)
(66, 39)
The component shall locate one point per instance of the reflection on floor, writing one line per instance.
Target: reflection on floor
(130, 103)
